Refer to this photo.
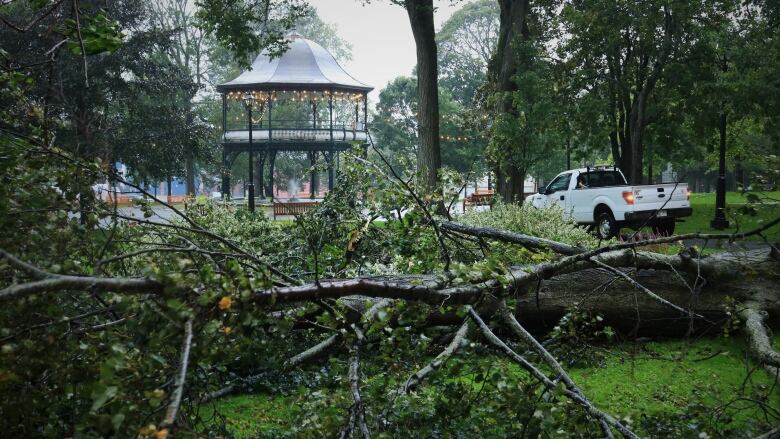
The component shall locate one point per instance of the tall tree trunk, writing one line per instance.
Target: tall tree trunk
(428, 153)
(513, 25)
(739, 174)
(510, 184)
(190, 171)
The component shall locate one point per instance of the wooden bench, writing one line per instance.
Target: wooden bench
(175, 199)
(121, 200)
(295, 208)
(478, 199)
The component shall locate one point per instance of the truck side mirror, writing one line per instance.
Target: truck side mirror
(542, 191)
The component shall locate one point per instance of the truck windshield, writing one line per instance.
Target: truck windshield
(559, 184)
(603, 178)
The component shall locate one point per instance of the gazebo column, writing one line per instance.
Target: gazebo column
(269, 190)
(365, 112)
(271, 153)
(365, 124)
(259, 175)
(314, 177)
(329, 155)
(225, 176)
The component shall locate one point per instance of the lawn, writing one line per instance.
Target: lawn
(705, 385)
(704, 209)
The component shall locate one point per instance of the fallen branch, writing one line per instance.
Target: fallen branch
(130, 285)
(440, 359)
(511, 237)
(354, 381)
(771, 434)
(758, 339)
(551, 362)
(549, 384)
(181, 377)
(312, 352)
(433, 292)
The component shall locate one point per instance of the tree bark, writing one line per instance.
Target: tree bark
(429, 152)
(629, 311)
(513, 24)
(190, 171)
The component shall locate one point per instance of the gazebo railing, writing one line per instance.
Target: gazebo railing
(294, 125)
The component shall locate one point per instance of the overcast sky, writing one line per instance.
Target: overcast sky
(382, 41)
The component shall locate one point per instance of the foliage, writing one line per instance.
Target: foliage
(247, 27)
(396, 129)
(467, 41)
(549, 223)
(576, 331)
(530, 132)
(88, 360)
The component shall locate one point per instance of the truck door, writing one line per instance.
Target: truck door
(558, 192)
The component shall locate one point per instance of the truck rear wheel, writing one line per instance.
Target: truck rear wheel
(664, 228)
(606, 226)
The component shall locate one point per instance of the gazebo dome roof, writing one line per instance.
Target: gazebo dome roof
(305, 65)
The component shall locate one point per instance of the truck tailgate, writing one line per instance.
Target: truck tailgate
(657, 196)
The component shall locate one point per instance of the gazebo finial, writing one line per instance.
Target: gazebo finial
(294, 35)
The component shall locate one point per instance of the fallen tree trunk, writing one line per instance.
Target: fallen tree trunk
(630, 311)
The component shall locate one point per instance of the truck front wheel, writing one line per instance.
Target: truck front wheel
(664, 228)
(606, 226)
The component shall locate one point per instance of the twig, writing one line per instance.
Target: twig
(644, 289)
(444, 251)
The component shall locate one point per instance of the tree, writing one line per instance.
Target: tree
(129, 80)
(420, 14)
(189, 50)
(246, 27)
(396, 129)
(624, 51)
(467, 42)
(530, 131)
(312, 27)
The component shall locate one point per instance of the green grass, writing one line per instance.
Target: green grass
(704, 209)
(632, 381)
(250, 416)
(667, 377)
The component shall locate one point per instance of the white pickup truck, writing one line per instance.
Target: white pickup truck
(600, 197)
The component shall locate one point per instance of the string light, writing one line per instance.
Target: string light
(298, 95)
(460, 138)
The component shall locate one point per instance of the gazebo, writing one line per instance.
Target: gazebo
(302, 101)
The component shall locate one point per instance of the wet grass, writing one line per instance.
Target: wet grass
(712, 379)
(704, 209)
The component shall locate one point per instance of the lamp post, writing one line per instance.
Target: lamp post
(719, 222)
(249, 101)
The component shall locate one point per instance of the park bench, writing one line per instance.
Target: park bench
(295, 208)
(121, 200)
(478, 199)
(175, 199)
